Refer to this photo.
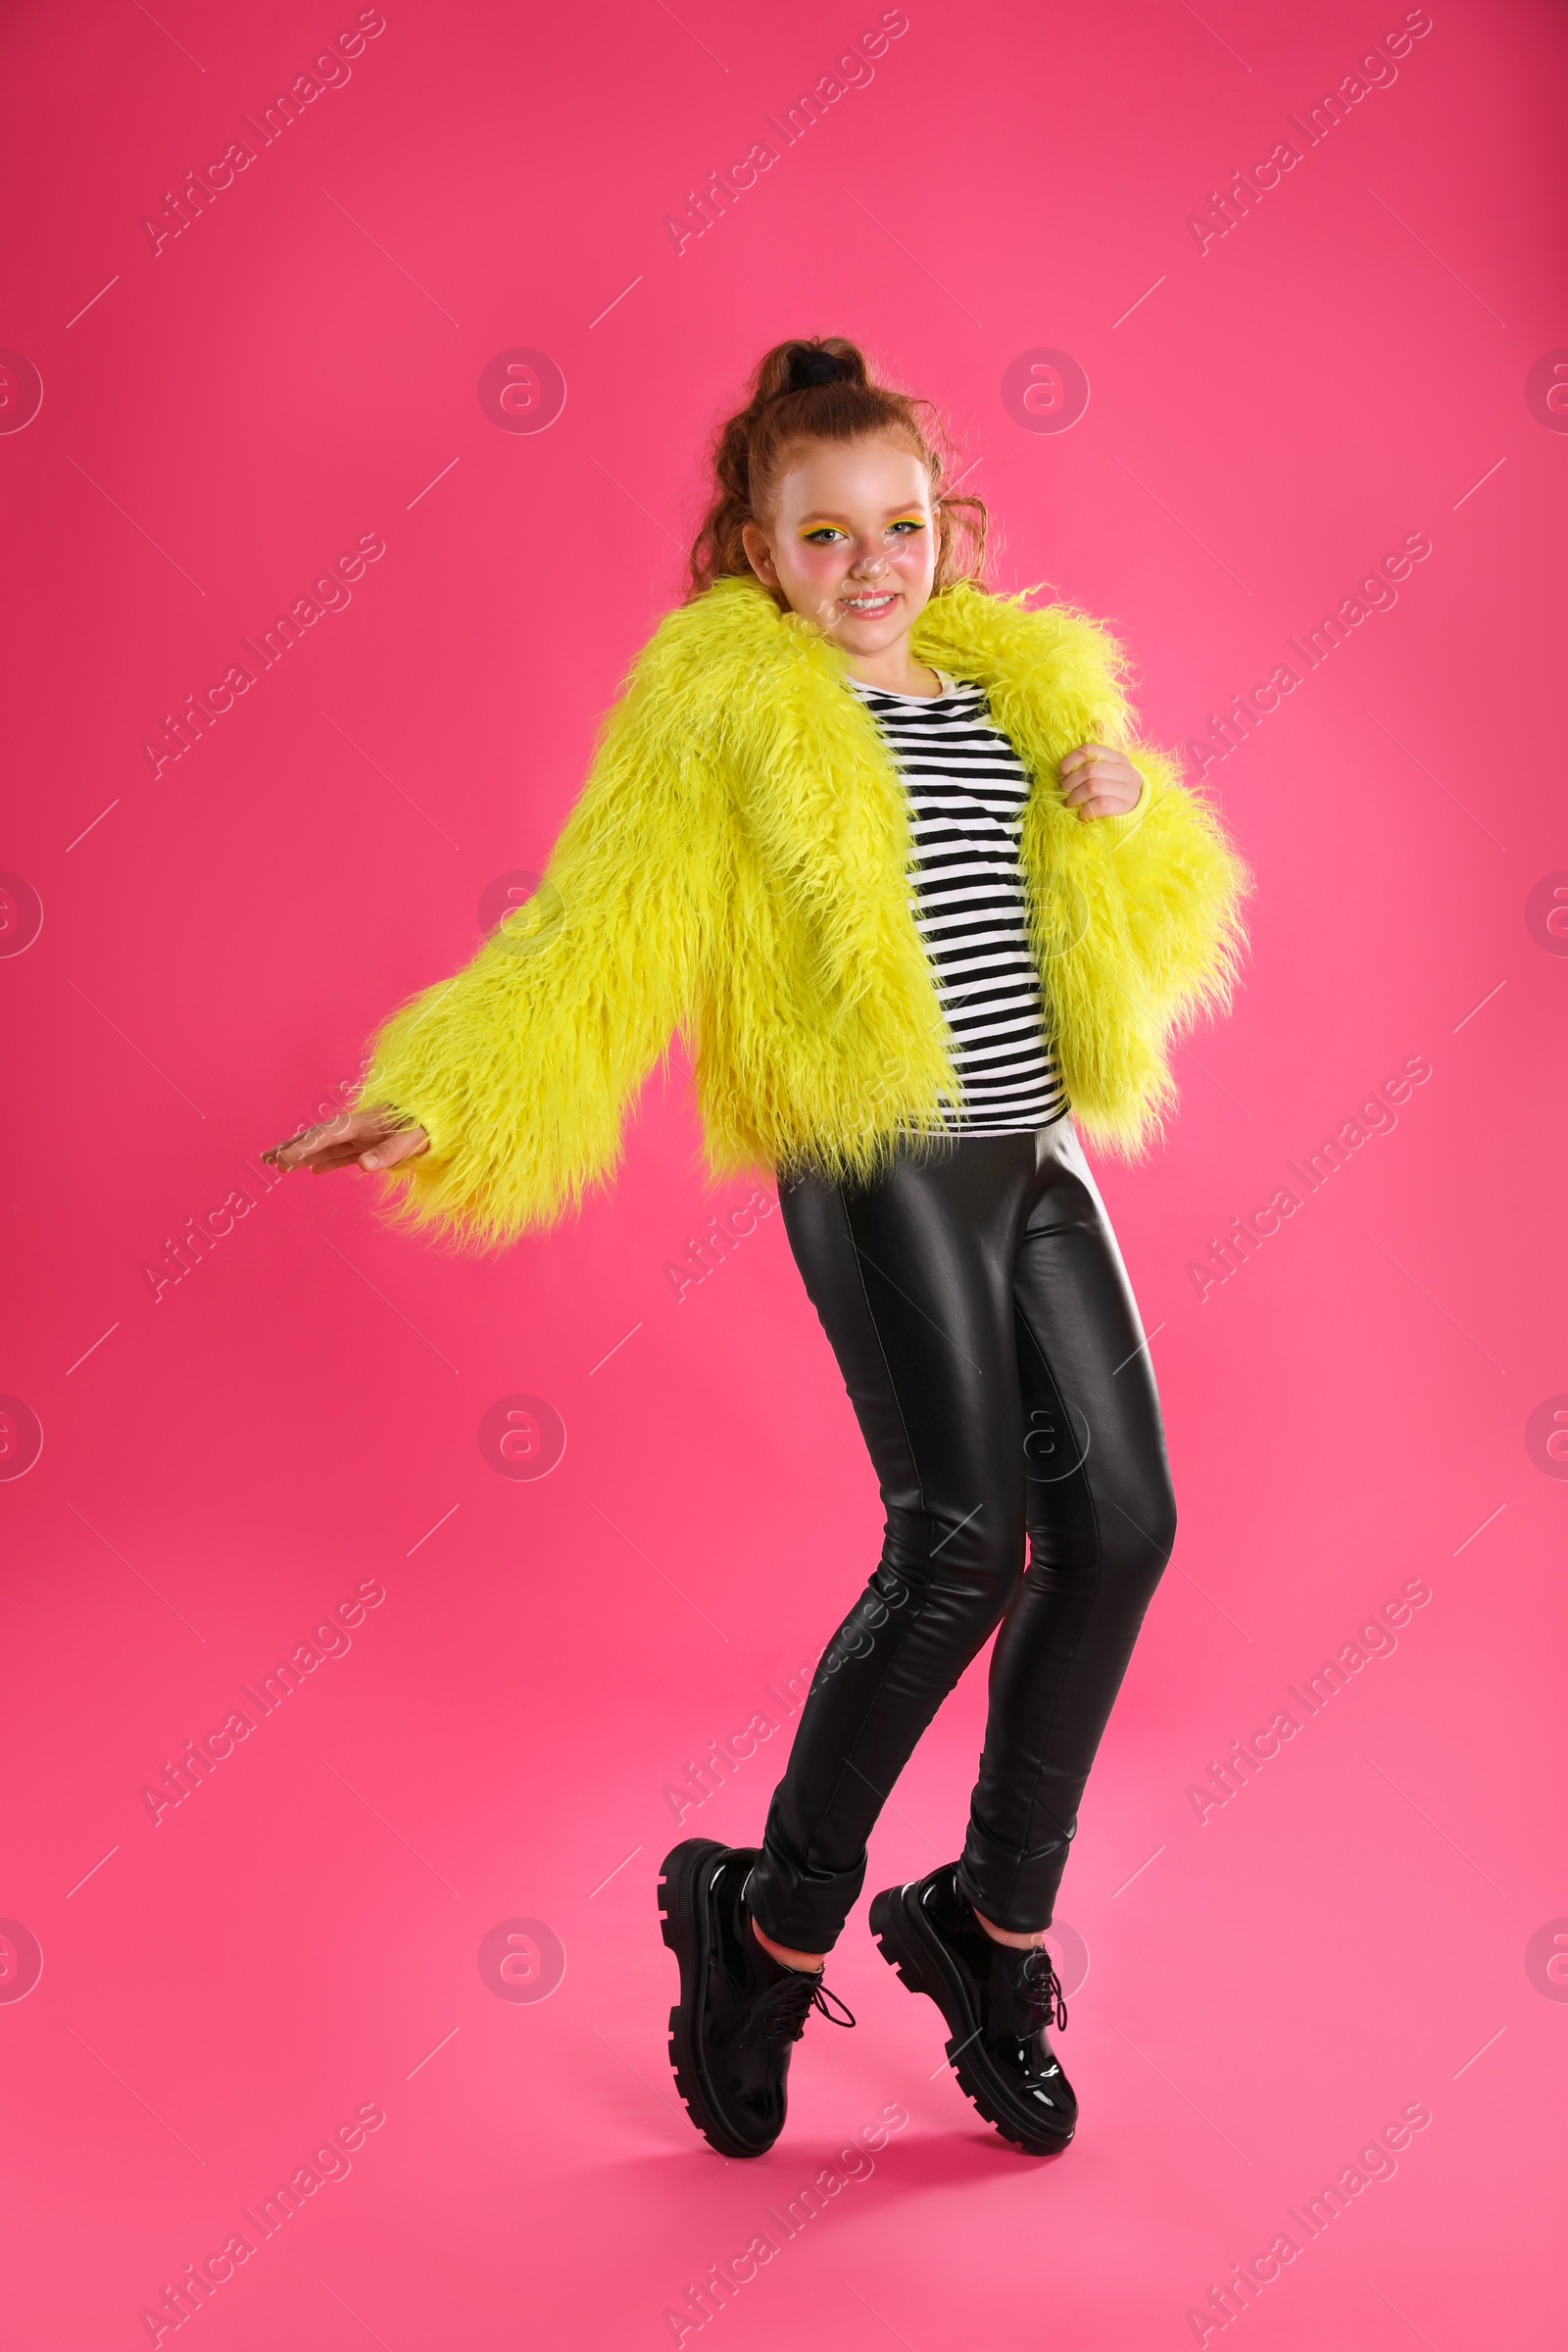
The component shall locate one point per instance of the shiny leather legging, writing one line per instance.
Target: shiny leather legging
(983, 1321)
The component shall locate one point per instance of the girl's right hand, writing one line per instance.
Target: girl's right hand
(376, 1138)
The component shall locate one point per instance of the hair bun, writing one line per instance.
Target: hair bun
(810, 366)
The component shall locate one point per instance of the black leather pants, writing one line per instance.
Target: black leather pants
(982, 1318)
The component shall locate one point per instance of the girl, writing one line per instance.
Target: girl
(880, 843)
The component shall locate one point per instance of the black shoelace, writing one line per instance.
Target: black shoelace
(780, 2013)
(1041, 1988)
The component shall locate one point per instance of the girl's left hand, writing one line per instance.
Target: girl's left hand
(1100, 782)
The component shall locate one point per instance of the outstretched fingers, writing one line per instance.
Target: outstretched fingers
(373, 1139)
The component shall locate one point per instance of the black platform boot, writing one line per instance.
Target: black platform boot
(998, 1999)
(741, 2010)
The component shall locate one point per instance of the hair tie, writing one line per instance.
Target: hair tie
(810, 367)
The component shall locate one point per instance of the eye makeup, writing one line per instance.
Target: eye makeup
(815, 534)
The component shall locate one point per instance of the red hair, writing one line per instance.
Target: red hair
(822, 390)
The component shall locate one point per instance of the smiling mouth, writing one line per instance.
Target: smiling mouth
(874, 600)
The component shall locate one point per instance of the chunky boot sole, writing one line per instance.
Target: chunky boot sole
(922, 1962)
(683, 1914)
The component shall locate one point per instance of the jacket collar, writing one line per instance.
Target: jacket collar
(1053, 677)
(758, 696)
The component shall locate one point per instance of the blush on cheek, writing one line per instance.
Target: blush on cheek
(819, 562)
(817, 571)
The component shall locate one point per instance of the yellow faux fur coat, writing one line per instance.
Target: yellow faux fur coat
(738, 868)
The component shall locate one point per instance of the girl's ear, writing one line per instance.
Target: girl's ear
(758, 555)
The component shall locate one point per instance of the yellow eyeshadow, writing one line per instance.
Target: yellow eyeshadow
(808, 530)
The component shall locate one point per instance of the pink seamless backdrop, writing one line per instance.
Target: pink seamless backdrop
(1375, 1919)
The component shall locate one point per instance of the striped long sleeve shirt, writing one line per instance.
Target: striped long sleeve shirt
(966, 789)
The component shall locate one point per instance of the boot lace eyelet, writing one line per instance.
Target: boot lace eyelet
(1043, 1989)
(780, 2013)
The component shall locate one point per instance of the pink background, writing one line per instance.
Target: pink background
(1368, 1924)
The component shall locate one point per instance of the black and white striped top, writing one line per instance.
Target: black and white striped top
(967, 787)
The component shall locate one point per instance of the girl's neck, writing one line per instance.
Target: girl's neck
(896, 671)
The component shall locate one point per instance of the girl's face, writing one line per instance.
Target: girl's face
(852, 541)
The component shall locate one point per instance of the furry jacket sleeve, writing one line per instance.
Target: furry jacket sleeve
(519, 1068)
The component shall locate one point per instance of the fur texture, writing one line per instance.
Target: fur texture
(737, 868)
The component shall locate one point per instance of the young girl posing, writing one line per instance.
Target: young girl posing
(880, 845)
